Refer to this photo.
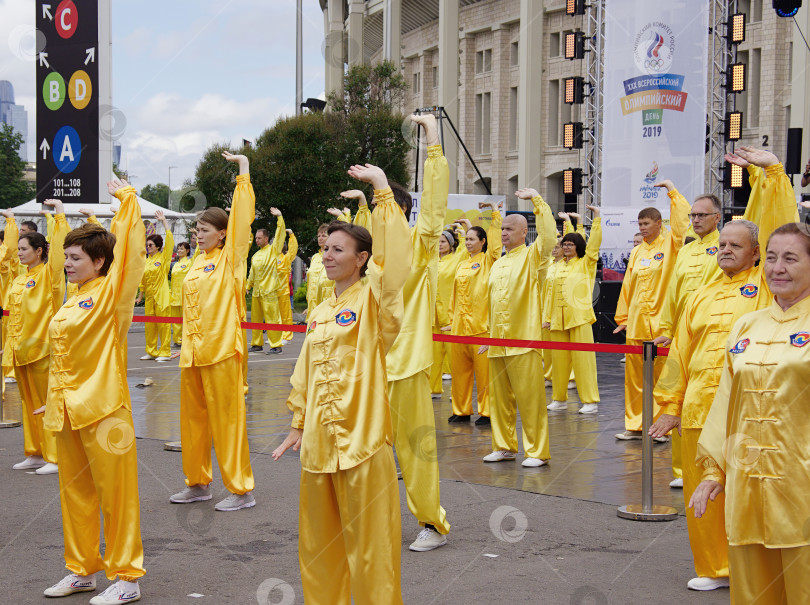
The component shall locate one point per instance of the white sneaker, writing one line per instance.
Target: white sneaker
(48, 469)
(120, 592)
(236, 502)
(589, 408)
(500, 456)
(676, 483)
(9, 380)
(435, 395)
(162, 358)
(29, 463)
(623, 359)
(707, 583)
(447, 376)
(548, 382)
(146, 357)
(69, 584)
(572, 385)
(284, 341)
(533, 462)
(628, 435)
(663, 439)
(428, 539)
(193, 493)
(557, 405)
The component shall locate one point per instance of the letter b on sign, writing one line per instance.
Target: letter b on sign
(53, 91)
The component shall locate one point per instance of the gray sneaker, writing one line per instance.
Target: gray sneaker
(193, 493)
(236, 502)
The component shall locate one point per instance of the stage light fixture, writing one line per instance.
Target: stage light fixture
(572, 181)
(574, 90)
(786, 8)
(735, 33)
(574, 45)
(734, 120)
(736, 77)
(732, 176)
(572, 135)
(575, 7)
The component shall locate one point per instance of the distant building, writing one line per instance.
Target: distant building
(14, 115)
(117, 154)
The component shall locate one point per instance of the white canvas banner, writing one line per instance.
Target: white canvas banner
(656, 67)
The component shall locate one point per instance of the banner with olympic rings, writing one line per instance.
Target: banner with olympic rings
(655, 92)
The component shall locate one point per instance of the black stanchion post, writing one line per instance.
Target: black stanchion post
(647, 511)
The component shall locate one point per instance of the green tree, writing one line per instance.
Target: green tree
(121, 174)
(13, 189)
(157, 194)
(215, 178)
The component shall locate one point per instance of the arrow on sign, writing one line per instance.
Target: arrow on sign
(46, 12)
(91, 55)
(44, 147)
(43, 60)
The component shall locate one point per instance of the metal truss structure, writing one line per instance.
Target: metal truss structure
(595, 34)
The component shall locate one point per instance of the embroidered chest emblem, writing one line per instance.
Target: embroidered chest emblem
(182, 266)
(740, 346)
(87, 303)
(659, 256)
(30, 283)
(311, 327)
(749, 290)
(345, 318)
(475, 266)
(799, 339)
(711, 251)
(208, 268)
(157, 263)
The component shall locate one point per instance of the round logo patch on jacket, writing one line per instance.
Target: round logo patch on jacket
(311, 327)
(30, 283)
(749, 290)
(711, 251)
(740, 346)
(87, 303)
(209, 268)
(157, 263)
(475, 266)
(659, 256)
(345, 318)
(799, 339)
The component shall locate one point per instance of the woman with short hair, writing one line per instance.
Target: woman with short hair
(179, 271)
(154, 289)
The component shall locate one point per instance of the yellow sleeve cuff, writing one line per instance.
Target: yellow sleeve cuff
(124, 191)
(383, 195)
(242, 179)
(435, 151)
(712, 472)
(775, 170)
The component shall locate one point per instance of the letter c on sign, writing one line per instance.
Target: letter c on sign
(67, 18)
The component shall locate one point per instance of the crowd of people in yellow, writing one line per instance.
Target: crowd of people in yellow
(733, 305)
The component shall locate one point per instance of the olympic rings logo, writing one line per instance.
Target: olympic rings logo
(654, 63)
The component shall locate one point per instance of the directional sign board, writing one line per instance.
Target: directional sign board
(68, 101)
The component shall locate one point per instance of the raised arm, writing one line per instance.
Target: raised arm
(679, 210)
(243, 211)
(435, 189)
(544, 223)
(281, 232)
(168, 240)
(12, 236)
(91, 217)
(595, 239)
(494, 244)
(56, 250)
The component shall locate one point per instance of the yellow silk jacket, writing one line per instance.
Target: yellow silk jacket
(469, 303)
(155, 282)
(412, 351)
(339, 391)
(284, 266)
(648, 273)
(570, 295)
(213, 291)
(319, 287)
(759, 418)
(9, 261)
(446, 275)
(88, 334)
(179, 271)
(263, 276)
(515, 285)
(32, 301)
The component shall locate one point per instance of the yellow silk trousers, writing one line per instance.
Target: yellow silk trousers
(707, 535)
(415, 440)
(677, 454)
(212, 405)
(769, 576)
(582, 362)
(155, 331)
(467, 366)
(8, 371)
(32, 380)
(633, 385)
(285, 311)
(545, 334)
(516, 385)
(177, 329)
(98, 469)
(350, 534)
(265, 310)
(441, 364)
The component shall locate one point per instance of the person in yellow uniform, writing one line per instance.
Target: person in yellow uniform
(569, 316)
(451, 252)
(753, 443)
(692, 372)
(641, 300)
(545, 297)
(70, 288)
(319, 286)
(179, 271)
(469, 311)
(263, 280)
(516, 374)
(349, 511)
(212, 396)
(284, 265)
(32, 300)
(89, 408)
(155, 289)
(9, 263)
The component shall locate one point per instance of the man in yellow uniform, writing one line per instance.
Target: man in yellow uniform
(263, 280)
(516, 374)
(692, 371)
(284, 264)
(642, 297)
(410, 358)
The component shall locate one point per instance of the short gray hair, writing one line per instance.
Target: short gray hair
(753, 230)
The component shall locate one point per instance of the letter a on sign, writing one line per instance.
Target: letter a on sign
(67, 151)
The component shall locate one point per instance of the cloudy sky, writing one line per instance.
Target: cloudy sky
(186, 74)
